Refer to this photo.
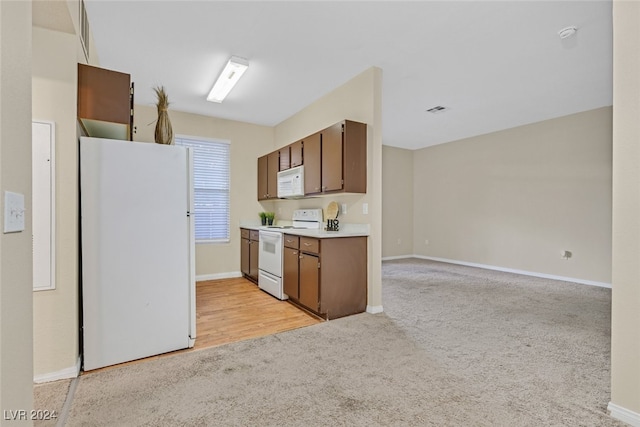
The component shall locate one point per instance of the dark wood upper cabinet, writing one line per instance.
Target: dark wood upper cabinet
(272, 179)
(285, 158)
(354, 160)
(263, 177)
(105, 102)
(295, 151)
(291, 156)
(335, 159)
(268, 168)
(312, 147)
(332, 158)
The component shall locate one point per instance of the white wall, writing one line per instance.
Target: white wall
(54, 98)
(16, 310)
(397, 208)
(214, 260)
(625, 323)
(55, 54)
(518, 198)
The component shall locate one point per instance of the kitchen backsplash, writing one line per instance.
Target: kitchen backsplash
(354, 204)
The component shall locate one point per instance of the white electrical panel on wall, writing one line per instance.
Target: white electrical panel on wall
(43, 204)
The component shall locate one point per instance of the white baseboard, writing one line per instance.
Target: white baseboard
(70, 372)
(623, 414)
(389, 258)
(512, 270)
(216, 276)
(374, 309)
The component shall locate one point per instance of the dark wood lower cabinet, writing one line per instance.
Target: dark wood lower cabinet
(310, 281)
(249, 246)
(291, 272)
(253, 258)
(327, 276)
(245, 248)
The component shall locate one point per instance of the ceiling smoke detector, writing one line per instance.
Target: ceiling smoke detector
(567, 32)
(437, 109)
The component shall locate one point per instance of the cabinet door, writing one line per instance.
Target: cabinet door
(310, 281)
(104, 102)
(332, 158)
(354, 162)
(263, 174)
(312, 147)
(285, 158)
(295, 154)
(244, 256)
(273, 164)
(253, 259)
(290, 273)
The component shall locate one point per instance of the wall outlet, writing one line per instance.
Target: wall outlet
(426, 241)
(399, 241)
(365, 208)
(344, 209)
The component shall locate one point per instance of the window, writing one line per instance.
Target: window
(210, 187)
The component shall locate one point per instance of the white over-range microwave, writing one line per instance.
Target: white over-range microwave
(291, 183)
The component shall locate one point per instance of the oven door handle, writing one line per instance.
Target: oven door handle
(270, 236)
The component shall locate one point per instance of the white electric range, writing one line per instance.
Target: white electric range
(270, 262)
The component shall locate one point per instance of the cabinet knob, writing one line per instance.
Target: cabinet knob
(307, 244)
(300, 257)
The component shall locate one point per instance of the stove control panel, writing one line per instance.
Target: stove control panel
(308, 215)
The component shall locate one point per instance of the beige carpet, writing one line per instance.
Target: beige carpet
(50, 397)
(456, 346)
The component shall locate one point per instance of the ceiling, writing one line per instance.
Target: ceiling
(494, 65)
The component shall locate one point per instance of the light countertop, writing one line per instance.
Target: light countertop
(346, 230)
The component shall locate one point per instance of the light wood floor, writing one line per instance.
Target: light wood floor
(230, 310)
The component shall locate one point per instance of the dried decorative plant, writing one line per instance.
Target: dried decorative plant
(164, 132)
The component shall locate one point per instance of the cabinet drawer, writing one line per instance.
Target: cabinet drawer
(254, 235)
(244, 233)
(308, 244)
(291, 241)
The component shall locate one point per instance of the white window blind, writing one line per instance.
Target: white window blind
(210, 187)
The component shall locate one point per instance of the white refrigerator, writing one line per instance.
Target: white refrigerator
(138, 254)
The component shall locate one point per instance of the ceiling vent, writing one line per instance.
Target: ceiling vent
(437, 109)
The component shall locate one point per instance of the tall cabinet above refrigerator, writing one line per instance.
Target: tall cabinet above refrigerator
(137, 240)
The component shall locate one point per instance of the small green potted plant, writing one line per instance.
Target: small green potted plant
(263, 218)
(270, 217)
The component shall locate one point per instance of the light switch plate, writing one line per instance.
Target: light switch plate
(13, 212)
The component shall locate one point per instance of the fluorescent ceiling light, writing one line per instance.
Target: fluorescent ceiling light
(232, 72)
